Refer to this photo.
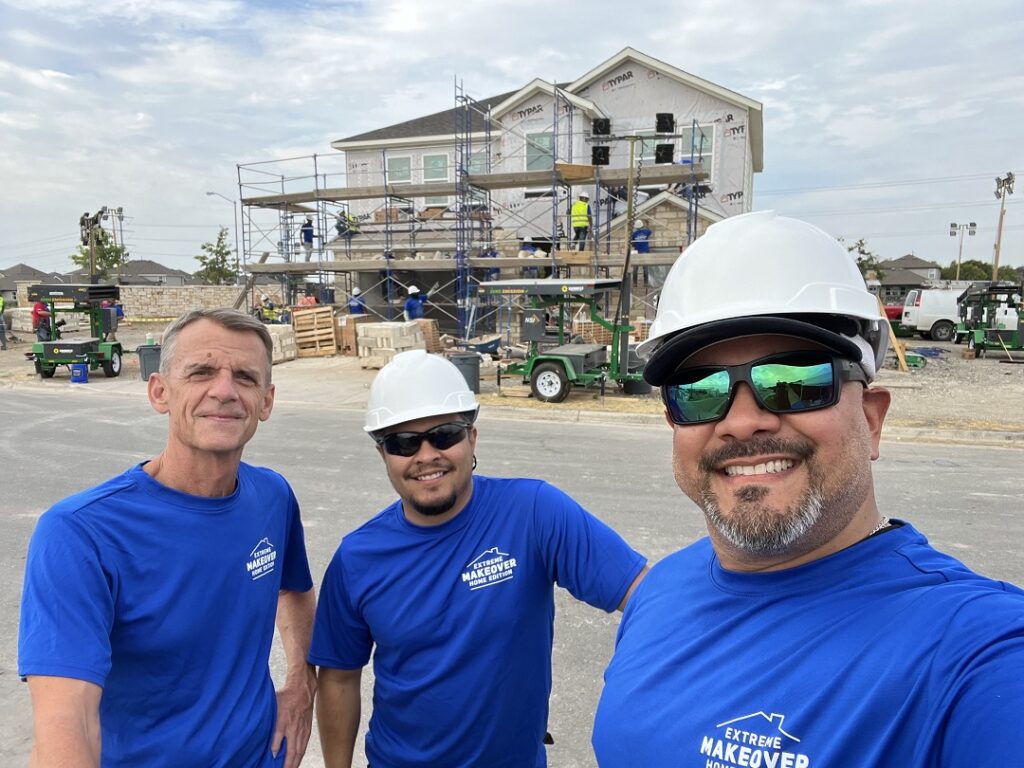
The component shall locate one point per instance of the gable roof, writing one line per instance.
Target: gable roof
(543, 86)
(900, 277)
(18, 273)
(910, 261)
(438, 126)
(754, 108)
(137, 269)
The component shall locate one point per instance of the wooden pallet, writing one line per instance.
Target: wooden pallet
(315, 331)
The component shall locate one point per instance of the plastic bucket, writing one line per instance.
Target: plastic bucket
(79, 373)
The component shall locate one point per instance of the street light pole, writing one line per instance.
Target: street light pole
(1004, 187)
(234, 211)
(971, 229)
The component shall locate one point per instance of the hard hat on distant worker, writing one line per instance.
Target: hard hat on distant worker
(417, 385)
(356, 291)
(413, 289)
(759, 273)
(640, 223)
(584, 195)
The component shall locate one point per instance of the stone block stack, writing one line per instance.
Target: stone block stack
(379, 342)
(431, 334)
(348, 330)
(284, 343)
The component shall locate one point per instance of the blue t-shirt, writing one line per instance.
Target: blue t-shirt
(167, 601)
(356, 306)
(461, 618)
(887, 653)
(641, 240)
(414, 306)
(307, 232)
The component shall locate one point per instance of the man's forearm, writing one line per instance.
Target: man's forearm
(338, 711)
(295, 612)
(66, 723)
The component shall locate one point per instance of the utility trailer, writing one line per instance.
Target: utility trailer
(97, 303)
(554, 363)
(991, 317)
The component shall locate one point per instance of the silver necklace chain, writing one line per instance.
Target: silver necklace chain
(883, 524)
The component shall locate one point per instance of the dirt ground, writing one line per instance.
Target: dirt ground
(949, 392)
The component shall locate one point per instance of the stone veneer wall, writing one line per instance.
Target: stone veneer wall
(165, 302)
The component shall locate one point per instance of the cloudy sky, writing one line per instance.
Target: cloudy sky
(884, 119)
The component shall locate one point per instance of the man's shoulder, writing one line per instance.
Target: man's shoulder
(264, 476)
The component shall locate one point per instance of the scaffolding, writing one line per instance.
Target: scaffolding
(472, 215)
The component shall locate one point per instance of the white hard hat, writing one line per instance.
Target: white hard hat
(640, 222)
(356, 291)
(413, 289)
(263, 297)
(759, 273)
(417, 385)
(584, 195)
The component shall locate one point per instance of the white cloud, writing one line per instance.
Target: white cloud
(148, 105)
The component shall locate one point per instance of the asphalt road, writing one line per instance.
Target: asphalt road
(967, 499)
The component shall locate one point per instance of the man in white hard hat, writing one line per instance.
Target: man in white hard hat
(808, 629)
(451, 589)
(580, 219)
(414, 302)
(356, 305)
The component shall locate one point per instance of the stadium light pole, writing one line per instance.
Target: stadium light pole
(1004, 187)
(970, 229)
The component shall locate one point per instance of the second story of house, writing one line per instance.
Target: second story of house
(542, 123)
(928, 270)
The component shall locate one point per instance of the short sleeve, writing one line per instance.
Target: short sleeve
(296, 575)
(341, 638)
(986, 656)
(581, 553)
(67, 604)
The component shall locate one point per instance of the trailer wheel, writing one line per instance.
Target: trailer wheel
(631, 387)
(943, 330)
(112, 367)
(549, 383)
(45, 371)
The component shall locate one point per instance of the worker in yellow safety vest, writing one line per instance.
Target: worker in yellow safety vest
(580, 219)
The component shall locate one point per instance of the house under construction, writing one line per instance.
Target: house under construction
(486, 189)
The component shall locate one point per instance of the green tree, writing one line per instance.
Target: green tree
(109, 257)
(973, 269)
(218, 266)
(867, 261)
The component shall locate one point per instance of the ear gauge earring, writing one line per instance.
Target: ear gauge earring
(474, 461)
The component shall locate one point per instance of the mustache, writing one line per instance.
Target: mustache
(801, 449)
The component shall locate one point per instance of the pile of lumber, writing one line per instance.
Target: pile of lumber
(591, 332)
(314, 331)
(380, 342)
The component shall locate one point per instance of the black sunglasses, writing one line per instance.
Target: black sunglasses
(406, 444)
(788, 382)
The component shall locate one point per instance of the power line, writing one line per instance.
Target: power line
(897, 208)
(878, 184)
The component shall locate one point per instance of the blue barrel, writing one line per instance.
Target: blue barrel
(79, 373)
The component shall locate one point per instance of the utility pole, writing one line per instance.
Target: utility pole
(1004, 187)
(953, 228)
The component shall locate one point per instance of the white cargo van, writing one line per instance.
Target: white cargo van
(932, 312)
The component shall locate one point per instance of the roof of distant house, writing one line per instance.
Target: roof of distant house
(136, 269)
(910, 261)
(901, 277)
(17, 273)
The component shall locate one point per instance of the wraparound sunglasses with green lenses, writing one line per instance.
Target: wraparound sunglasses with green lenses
(788, 382)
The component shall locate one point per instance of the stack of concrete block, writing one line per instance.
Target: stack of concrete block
(379, 342)
(591, 332)
(643, 329)
(284, 343)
